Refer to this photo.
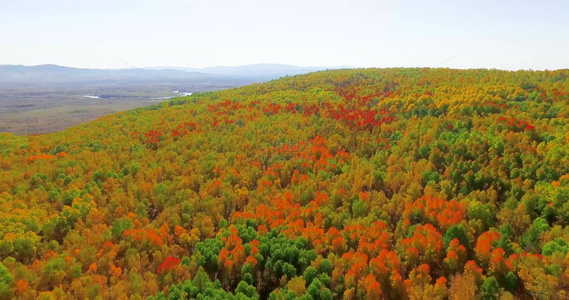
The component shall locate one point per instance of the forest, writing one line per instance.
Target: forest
(398, 183)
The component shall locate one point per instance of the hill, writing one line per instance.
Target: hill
(54, 75)
(344, 184)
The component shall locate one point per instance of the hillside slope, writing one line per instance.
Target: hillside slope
(354, 184)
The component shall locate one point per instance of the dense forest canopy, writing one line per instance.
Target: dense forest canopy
(345, 184)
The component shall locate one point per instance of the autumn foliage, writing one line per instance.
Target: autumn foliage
(345, 184)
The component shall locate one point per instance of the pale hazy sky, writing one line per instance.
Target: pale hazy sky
(476, 34)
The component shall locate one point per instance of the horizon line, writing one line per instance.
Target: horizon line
(286, 65)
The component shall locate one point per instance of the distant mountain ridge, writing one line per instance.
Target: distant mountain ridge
(50, 74)
(54, 74)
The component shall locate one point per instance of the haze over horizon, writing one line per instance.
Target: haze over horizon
(105, 34)
(127, 66)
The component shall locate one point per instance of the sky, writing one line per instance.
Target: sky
(497, 34)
